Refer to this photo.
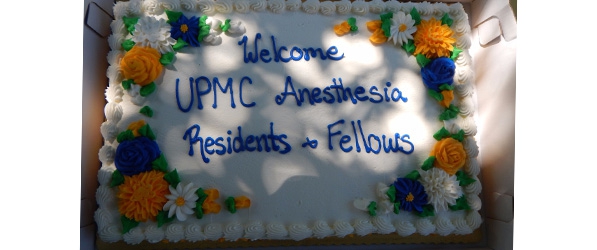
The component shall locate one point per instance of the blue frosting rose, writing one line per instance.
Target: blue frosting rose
(437, 72)
(411, 194)
(135, 156)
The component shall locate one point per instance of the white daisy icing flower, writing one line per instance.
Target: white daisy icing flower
(181, 201)
(154, 33)
(403, 26)
(441, 188)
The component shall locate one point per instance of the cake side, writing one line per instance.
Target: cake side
(210, 99)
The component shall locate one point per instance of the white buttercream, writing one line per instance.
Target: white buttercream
(109, 131)
(321, 229)
(213, 231)
(110, 233)
(442, 189)
(105, 196)
(276, 231)
(363, 227)
(424, 227)
(327, 8)
(173, 5)
(343, 7)
(104, 175)
(377, 6)
(194, 233)
(443, 225)
(206, 6)
(224, 6)
(233, 231)
(383, 225)
(461, 227)
(299, 231)
(343, 228)
(134, 236)
(311, 6)
(175, 232)
(154, 234)
(404, 228)
(360, 7)
(255, 230)
(106, 154)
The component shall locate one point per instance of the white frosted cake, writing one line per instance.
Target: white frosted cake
(287, 121)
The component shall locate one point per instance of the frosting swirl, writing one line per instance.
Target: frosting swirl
(474, 220)
(276, 6)
(134, 236)
(443, 225)
(276, 231)
(103, 218)
(233, 231)
(113, 112)
(254, 230)
(106, 154)
(383, 224)
(175, 232)
(363, 227)
(343, 7)
(104, 196)
(405, 228)
(461, 227)
(110, 233)
(193, 233)
(343, 228)
(299, 232)
(424, 227)
(224, 6)
(471, 167)
(376, 6)
(173, 5)
(153, 234)
(327, 8)
(206, 6)
(293, 5)
(473, 188)
(109, 131)
(393, 6)
(188, 5)
(104, 175)
(241, 6)
(213, 231)
(258, 5)
(360, 7)
(321, 229)
(311, 6)
(114, 93)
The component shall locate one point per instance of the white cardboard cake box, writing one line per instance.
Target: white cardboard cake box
(494, 43)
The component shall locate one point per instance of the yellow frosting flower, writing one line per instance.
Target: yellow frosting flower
(433, 40)
(242, 202)
(135, 126)
(142, 196)
(449, 155)
(342, 28)
(378, 36)
(141, 64)
(448, 97)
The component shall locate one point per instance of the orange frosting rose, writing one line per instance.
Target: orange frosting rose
(449, 155)
(141, 64)
(342, 28)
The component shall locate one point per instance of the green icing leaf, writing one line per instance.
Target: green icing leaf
(127, 224)
(162, 218)
(372, 207)
(202, 196)
(428, 164)
(455, 53)
(422, 60)
(391, 193)
(125, 135)
(441, 134)
(427, 211)
(449, 113)
(147, 89)
(117, 178)
(160, 164)
(397, 207)
(459, 136)
(386, 23)
(147, 132)
(225, 26)
(128, 44)
(409, 47)
(173, 16)
(447, 20)
(126, 84)
(203, 28)
(436, 95)
(178, 45)
(147, 111)
(199, 205)
(167, 58)
(172, 178)
(461, 204)
(446, 87)
(129, 23)
(230, 204)
(413, 175)
(198, 210)
(353, 23)
(463, 178)
(414, 13)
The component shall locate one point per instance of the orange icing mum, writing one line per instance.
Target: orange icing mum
(449, 155)
(135, 126)
(142, 196)
(242, 202)
(342, 28)
(433, 40)
(448, 97)
(141, 64)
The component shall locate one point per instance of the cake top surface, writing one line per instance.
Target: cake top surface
(303, 119)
